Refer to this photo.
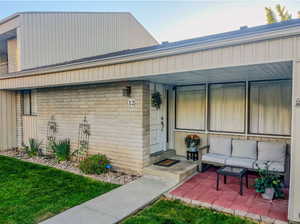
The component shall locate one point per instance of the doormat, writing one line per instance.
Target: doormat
(167, 162)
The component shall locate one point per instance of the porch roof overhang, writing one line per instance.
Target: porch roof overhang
(251, 46)
(254, 72)
(267, 71)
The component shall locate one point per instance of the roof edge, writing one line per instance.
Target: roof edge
(73, 12)
(6, 19)
(144, 28)
(155, 53)
(10, 17)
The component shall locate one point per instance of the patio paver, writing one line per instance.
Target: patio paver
(115, 205)
(201, 189)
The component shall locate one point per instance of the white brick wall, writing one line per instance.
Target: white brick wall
(117, 130)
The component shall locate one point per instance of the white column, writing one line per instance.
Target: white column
(294, 199)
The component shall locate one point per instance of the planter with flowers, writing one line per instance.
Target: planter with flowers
(269, 184)
(192, 142)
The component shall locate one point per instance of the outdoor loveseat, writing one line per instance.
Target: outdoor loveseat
(245, 153)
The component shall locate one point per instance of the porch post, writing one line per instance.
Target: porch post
(294, 197)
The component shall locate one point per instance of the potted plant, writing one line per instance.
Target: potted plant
(268, 184)
(192, 142)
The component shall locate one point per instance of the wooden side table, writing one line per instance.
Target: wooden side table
(192, 155)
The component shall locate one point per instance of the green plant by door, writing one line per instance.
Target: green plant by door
(156, 100)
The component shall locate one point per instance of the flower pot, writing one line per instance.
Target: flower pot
(269, 194)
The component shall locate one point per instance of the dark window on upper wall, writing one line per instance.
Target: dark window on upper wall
(190, 107)
(26, 102)
(270, 104)
(227, 107)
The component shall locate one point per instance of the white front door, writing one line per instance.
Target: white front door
(158, 120)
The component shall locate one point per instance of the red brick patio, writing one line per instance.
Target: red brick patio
(202, 188)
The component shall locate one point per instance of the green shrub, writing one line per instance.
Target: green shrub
(34, 148)
(62, 149)
(95, 164)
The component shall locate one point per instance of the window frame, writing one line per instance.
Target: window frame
(249, 117)
(190, 129)
(29, 92)
(208, 107)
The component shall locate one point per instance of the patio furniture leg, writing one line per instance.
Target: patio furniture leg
(247, 181)
(218, 176)
(204, 167)
(241, 185)
(225, 179)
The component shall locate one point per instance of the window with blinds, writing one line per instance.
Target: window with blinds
(227, 107)
(270, 107)
(190, 107)
(26, 96)
(29, 102)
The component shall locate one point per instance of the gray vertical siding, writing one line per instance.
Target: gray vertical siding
(49, 38)
(7, 120)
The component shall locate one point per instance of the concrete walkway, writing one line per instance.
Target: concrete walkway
(115, 205)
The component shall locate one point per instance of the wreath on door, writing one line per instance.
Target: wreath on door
(156, 100)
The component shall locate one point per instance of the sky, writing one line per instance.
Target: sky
(168, 20)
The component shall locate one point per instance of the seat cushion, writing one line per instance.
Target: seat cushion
(271, 151)
(220, 145)
(240, 162)
(214, 158)
(273, 166)
(244, 149)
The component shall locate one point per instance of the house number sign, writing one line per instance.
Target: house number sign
(131, 102)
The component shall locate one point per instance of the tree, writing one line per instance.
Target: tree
(270, 16)
(282, 13)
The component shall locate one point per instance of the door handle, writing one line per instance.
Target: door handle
(162, 124)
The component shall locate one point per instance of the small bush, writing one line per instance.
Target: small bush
(34, 148)
(62, 149)
(95, 164)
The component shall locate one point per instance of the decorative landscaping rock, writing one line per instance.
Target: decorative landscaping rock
(114, 177)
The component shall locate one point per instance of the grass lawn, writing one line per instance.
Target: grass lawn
(175, 212)
(30, 193)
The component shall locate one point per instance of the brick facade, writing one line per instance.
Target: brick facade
(118, 130)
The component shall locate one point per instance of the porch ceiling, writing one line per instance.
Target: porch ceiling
(8, 35)
(278, 70)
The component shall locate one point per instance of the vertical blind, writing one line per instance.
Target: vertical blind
(27, 102)
(227, 107)
(270, 107)
(190, 107)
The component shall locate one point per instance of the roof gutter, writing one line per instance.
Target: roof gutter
(168, 51)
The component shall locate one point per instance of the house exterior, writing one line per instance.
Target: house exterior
(104, 67)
